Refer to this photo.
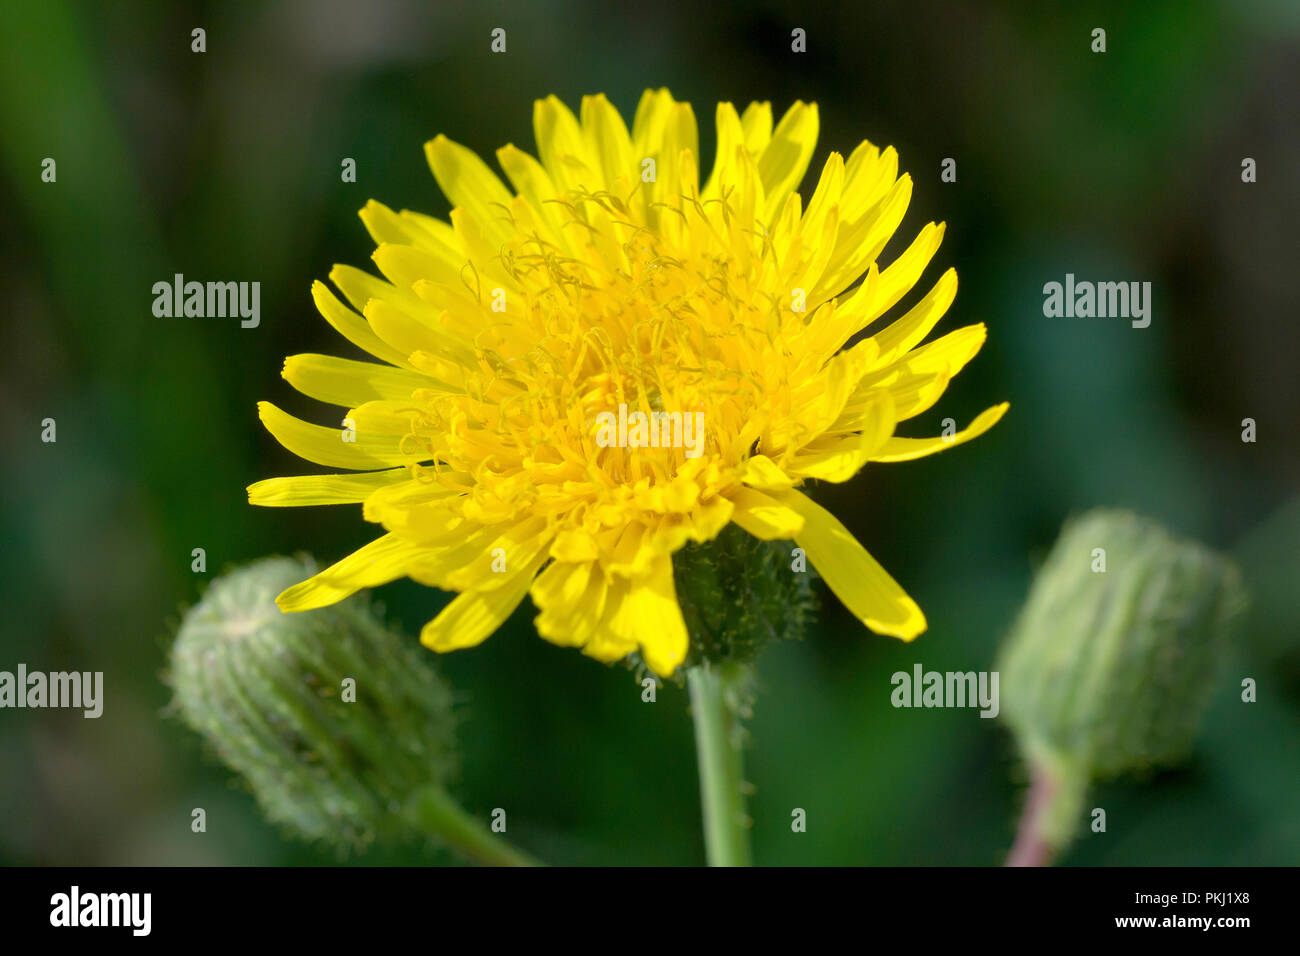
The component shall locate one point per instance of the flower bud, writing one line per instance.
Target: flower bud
(335, 721)
(1113, 659)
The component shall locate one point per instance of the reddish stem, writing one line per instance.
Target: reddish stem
(1030, 849)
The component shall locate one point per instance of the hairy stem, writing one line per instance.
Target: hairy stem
(1031, 847)
(717, 694)
(438, 815)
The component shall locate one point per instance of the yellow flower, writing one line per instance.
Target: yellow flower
(609, 280)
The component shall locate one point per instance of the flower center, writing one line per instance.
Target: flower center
(636, 323)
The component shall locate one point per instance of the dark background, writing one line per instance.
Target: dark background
(225, 166)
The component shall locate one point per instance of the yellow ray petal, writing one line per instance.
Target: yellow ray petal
(605, 643)
(305, 490)
(762, 473)
(572, 600)
(562, 148)
(710, 517)
(860, 243)
(630, 557)
(412, 229)
(678, 172)
(384, 417)
(756, 123)
(650, 617)
(431, 225)
(382, 560)
(325, 446)
(359, 287)
(559, 588)
(607, 138)
(574, 545)
(353, 327)
(649, 121)
(902, 335)
(765, 516)
(904, 271)
(919, 378)
(869, 173)
(857, 579)
(914, 394)
(468, 182)
(830, 328)
(530, 178)
(949, 353)
(730, 136)
(517, 545)
(840, 459)
(824, 397)
(345, 382)
(409, 335)
(448, 547)
(420, 511)
(474, 615)
(905, 449)
(826, 197)
(404, 266)
(786, 156)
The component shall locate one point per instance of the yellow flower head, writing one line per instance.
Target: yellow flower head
(549, 351)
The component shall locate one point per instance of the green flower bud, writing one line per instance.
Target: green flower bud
(340, 726)
(737, 593)
(1113, 659)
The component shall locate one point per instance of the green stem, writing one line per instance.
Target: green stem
(717, 695)
(441, 817)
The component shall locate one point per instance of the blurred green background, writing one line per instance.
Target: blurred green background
(225, 165)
